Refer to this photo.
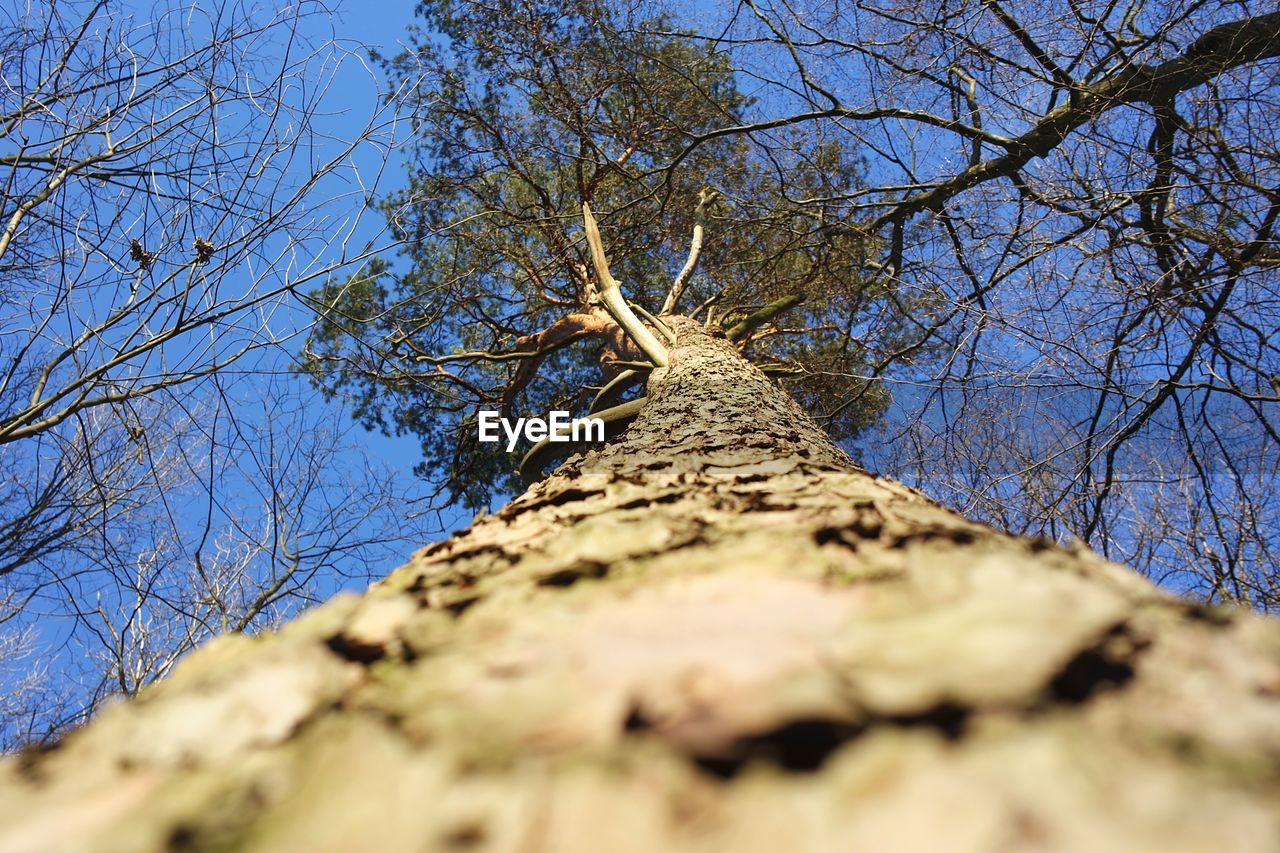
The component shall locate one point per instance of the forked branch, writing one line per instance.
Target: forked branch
(611, 295)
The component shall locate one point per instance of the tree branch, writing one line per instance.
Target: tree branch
(545, 452)
(751, 322)
(611, 295)
(1220, 49)
(705, 197)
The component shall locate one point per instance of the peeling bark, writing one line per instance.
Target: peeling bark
(567, 330)
(715, 634)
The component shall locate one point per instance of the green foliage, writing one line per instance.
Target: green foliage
(524, 111)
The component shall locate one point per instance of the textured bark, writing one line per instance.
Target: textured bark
(714, 634)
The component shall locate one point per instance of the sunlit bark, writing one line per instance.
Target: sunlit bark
(716, 633)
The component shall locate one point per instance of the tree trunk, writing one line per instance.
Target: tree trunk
(716, 633)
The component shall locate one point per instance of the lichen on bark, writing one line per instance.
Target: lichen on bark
(716, 633)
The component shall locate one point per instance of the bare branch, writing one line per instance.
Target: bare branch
(705, 197)
(611, 295)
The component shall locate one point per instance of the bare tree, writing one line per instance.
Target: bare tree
(1081, 200)
(238, 514)
(274, 511)
(715, 633)
(167, 185)
(156, 202)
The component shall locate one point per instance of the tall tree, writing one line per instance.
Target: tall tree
(716, 633)
(1046, 233)
(525, 112)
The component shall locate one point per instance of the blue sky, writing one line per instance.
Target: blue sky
(379, 24)
(359, 27)
(263, 391)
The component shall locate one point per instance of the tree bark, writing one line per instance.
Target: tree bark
(716, 633)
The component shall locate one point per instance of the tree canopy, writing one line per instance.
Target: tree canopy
(1035, 245)
(522, 117)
